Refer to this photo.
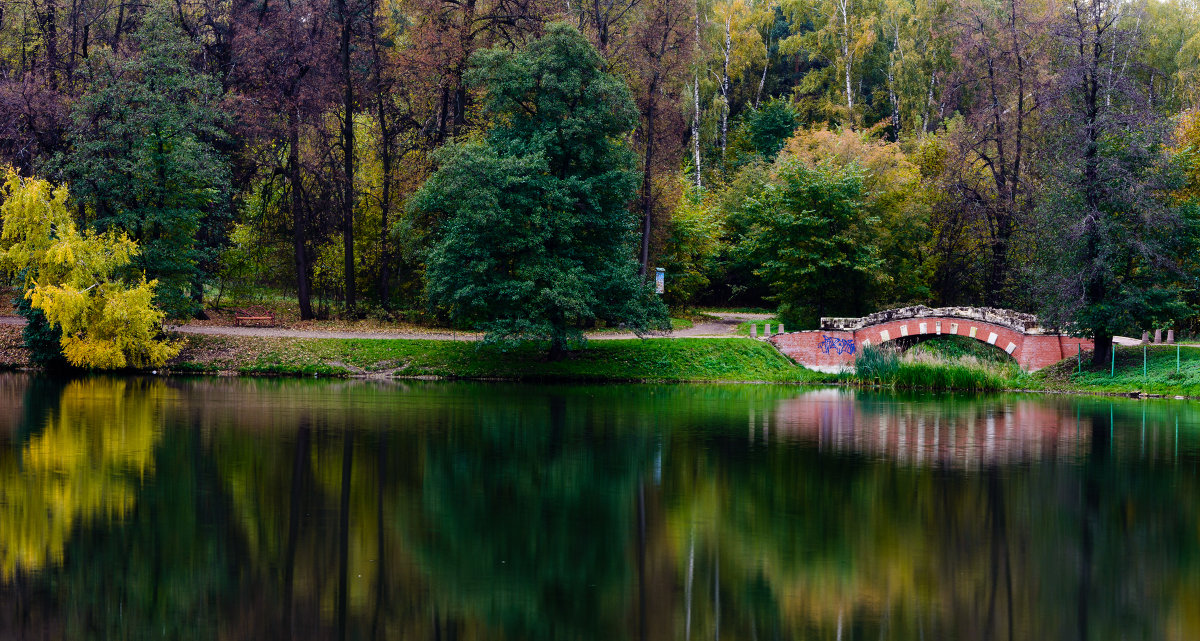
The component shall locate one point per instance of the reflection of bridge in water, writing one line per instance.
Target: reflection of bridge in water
(945, 431)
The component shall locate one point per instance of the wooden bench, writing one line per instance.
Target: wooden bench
(258, 313)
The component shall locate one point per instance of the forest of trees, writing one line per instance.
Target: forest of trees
(825, 157)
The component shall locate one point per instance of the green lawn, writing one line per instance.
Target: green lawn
(665, 360)
(672, 360)
(1160, 376)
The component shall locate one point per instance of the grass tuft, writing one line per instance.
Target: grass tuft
(928, 368)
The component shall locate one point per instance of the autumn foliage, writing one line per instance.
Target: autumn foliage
(72, 276)
(277, 149)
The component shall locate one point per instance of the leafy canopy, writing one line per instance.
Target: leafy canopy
(69, 275)
(537, 239)
(810, 236)
(145, 158)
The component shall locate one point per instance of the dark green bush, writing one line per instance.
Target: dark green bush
(43, 340)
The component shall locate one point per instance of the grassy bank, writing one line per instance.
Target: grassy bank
(670, 360)
(1159, 377)
(931, 365)
(946, 365)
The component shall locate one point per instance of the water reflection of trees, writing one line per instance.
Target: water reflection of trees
(853, 545)
(300, 510)
(80, 462)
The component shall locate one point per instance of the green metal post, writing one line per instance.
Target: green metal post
(1078, 358)
(1144, 349)
(1113, 350)
(1176, 358)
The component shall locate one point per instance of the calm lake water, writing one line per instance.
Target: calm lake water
(252, 509)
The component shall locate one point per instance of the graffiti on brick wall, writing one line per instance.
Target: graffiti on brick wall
(839, 345)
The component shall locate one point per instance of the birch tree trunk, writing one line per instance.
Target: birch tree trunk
(725, 85)
(844, 8)
(891, 81)
(696, 102)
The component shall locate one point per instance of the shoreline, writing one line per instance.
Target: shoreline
(660, 360)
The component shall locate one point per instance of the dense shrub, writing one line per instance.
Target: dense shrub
(43, 340)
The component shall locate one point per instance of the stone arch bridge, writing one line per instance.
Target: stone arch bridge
(834, 347)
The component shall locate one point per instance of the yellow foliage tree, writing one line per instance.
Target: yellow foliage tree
(71, 276)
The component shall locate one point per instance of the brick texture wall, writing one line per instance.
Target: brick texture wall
(835, 350)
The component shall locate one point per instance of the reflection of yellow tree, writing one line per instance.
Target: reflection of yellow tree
(84, 466)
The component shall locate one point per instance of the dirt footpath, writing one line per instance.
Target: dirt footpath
(724, 326)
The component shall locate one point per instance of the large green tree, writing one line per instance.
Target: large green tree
(537, 239)
(145, 159)
(810, 236)
(1114, 244)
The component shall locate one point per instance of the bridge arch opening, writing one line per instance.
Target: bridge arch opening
(950, 346)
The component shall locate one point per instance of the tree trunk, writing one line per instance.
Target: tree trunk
(385, 206)
(696, 103)
(299, 219)
(998, 265)
(844, 7)
(443, 113)
(116, 39)
(386, 134)
(893, 99)
(1097, 288)
(762, 80)
(50, 34)
(347, 158)
(725, 88)
(459, 113)
(647, 177)
(928, 103)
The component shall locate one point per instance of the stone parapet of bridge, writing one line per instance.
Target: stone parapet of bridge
(835, 346)
(1018, 321)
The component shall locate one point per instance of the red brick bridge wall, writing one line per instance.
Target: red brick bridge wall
(834, 350)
